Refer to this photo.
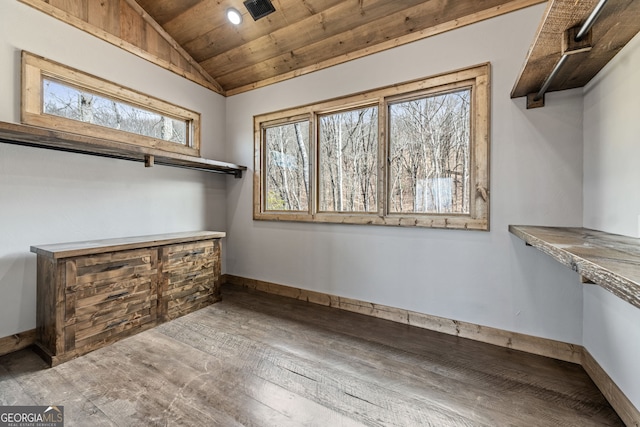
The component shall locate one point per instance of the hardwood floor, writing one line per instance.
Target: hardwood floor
(256, 359)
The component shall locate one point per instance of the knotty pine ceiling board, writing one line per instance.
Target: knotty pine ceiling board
(192, 38)
(306, 35)
(126, 25)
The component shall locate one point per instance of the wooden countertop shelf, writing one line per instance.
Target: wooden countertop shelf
(618, 22)
(93, 247)
(32, 136)
(609, 260)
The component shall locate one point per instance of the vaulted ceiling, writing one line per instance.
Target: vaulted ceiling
(302, 36)
(193, 38)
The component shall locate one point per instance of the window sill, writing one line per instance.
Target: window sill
(33, 136)
(442, 221)
(609, 260)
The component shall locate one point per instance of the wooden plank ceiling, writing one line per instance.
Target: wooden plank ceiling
(302, 36)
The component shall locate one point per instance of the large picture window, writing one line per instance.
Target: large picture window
(58, 97)
(415, 154)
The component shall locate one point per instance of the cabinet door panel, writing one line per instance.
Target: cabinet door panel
(110, 294)
(117, 329)
(114, 295)
(190, 280)
(92, 270)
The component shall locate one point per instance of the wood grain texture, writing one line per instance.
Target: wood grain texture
(32, 136)
(191, 278)
(91, 294)
(50, 304)
(256, 359)
(17, 342)
(36, 69)
(622, 405)
(476, 78)
(193, 38)
(609, 260)
(618, 22)
(92, 247)
(535, 345)
(109, 20)
(362, 47)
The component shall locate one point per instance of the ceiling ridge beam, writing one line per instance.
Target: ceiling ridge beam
(174, 44)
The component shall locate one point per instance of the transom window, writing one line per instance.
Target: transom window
(414, 154)
(58, 97)
(65, 100)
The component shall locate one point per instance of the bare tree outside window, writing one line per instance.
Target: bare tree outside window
(287, 161)
(413, 154)
(71, 102)
(55, 96)
(429, 154)
(348, 159)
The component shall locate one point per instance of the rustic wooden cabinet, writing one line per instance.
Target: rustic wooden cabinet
(186, 281)
(90, 294)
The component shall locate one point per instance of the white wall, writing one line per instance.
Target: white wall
(485, 278)
(612, 145)
(612, 204)
(49, 196)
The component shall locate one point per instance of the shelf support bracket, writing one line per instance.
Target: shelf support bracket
(572, 45)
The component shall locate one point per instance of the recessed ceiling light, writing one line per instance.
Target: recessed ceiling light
(234, 16)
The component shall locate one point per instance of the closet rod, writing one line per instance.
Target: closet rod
(584, 29)
(590, 20)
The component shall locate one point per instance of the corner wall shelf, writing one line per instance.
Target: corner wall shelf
(617, 23)
(32, 136)
(609, 260)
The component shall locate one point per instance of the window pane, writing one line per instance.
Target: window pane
(78, 104)
(429, 154)
(287, 167)
(348, 161)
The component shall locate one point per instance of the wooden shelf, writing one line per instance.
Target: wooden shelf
(609, 260)
(618, 22)
(93, 247)
(32, 136)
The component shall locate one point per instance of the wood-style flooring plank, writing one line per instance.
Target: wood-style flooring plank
(326, 368)
(12, 392)
(43, 387)
(256, 359)
(416, 357)
(194, 383)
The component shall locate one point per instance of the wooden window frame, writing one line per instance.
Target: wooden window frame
(477, 78)
(35, 69)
